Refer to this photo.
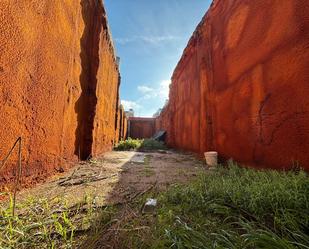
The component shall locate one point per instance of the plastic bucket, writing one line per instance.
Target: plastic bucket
(211, 158)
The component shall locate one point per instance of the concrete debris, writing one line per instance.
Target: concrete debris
(138, 158)
(150, 205)
(160, 135)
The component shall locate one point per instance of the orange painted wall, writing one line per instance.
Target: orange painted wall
(123, 126)
(59, 84)
(141, 127)
(241, 86)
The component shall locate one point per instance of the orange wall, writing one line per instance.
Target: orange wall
(141, 127)
(241, 86)
(123, 124)
(58, 84)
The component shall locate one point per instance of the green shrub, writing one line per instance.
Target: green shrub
(129, 144)
(152, 144)
(140, 144)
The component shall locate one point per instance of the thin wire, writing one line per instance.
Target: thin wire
(19, 168)
(17, 182)
(9, 154)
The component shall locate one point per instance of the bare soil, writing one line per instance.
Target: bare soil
(116, 176)
(116, 179)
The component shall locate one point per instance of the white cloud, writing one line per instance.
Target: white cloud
(123, 41)
(144, 105)
(147, 39)
(161, 91)
(144, 89)
(127, 104)
(164, 88)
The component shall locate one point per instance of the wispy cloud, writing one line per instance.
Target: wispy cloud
(147, 39)
(145, 89)
(161, 91)
(148, 94)
(128, 104)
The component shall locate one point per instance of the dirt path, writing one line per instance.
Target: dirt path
(114, 181)
(117, 176)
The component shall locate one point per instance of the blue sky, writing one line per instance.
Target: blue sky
(150, 36)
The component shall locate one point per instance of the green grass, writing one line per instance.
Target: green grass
(140, 144)
(148, 171)
(228, 208)
(152, 144)
(235, 208)
(43, 223)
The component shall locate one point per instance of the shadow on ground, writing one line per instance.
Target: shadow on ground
(143, 174)
(115, 184)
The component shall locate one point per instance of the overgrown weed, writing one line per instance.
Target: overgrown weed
(236, 207)
(230, 207)
(140, 145)
(43, 223)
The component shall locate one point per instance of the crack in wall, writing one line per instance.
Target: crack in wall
(261, 140)
(260, 120)
(117, 104)
(85, 106)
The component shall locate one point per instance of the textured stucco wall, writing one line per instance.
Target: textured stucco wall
(123, 124)
(141, 127)
(241, 86)
(58, 84)
(125, 128)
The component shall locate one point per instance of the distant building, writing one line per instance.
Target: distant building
(129, 113)
(118, 61)
(157, 113)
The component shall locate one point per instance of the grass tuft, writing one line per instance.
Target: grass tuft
(43, 223)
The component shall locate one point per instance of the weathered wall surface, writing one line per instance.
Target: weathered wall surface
(58, 83)
(123, 124)
(241, 86)
(141, 127)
